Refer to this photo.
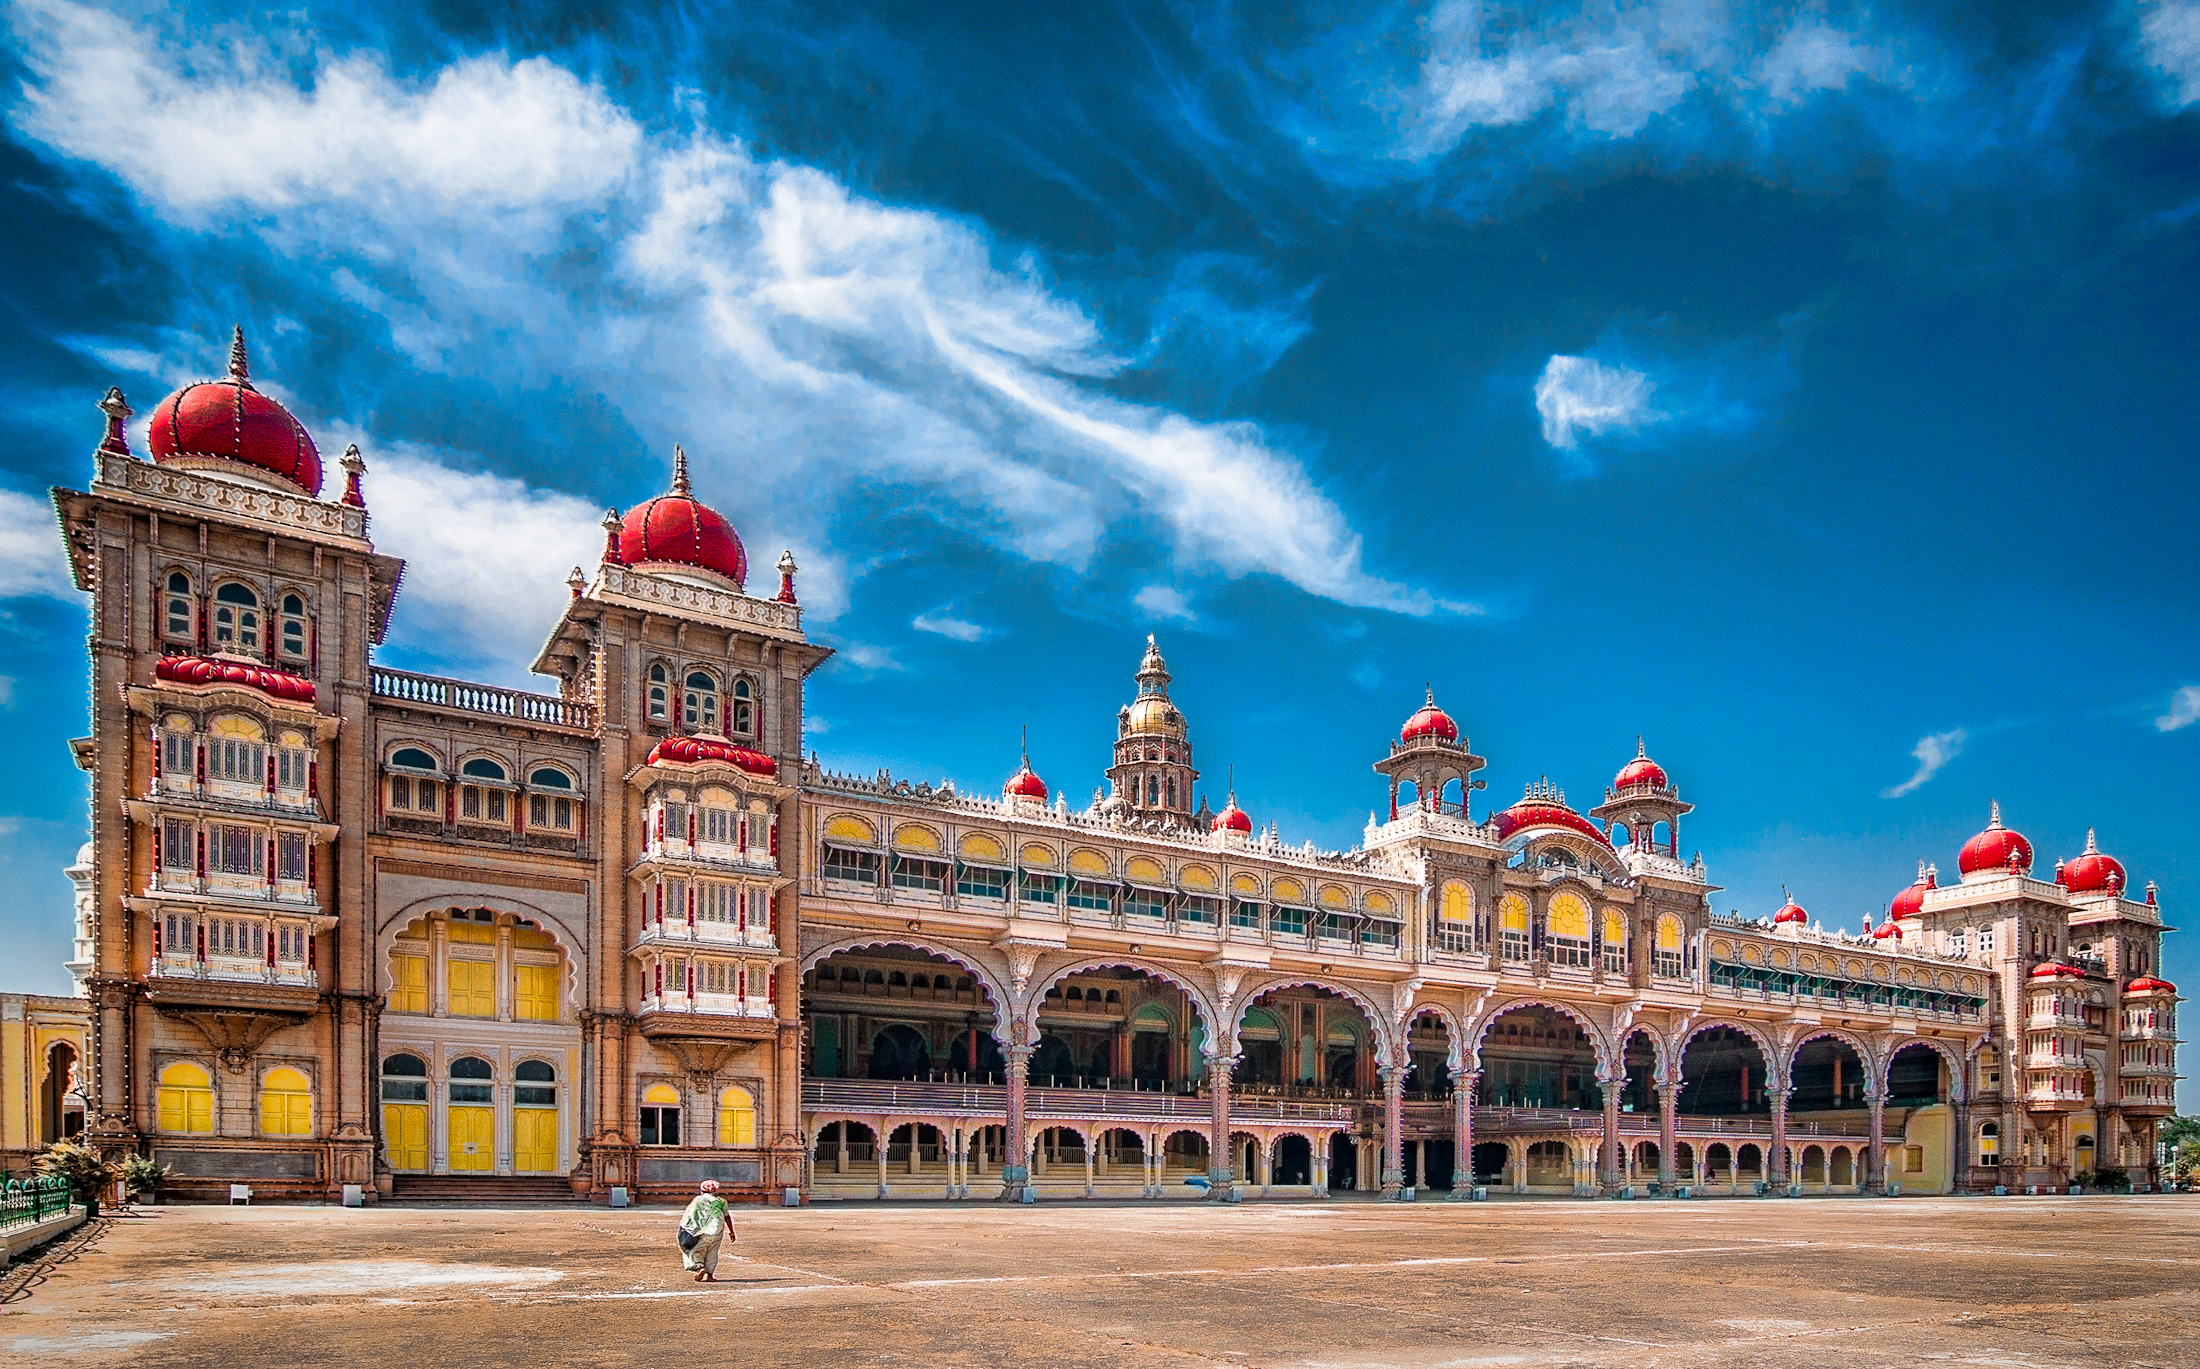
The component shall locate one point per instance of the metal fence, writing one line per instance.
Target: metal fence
(24, 1202)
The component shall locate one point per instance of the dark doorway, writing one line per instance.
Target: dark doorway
(1294, 1161)
(1344, 1168)
(899, 1053)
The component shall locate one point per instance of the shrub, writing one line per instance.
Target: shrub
(141, 1175)
(84, 1168)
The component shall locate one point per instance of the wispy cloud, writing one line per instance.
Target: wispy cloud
(7, 691)
(869, 658)
(1932, 753)
(31, 559)
(1165, 601)
(960, 629)
(1581, 395)
(2169, 42)
(2184, 709)
(859, 342)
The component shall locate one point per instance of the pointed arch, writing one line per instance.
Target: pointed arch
(1202, 1004)
(1455, 1038)
(1958, 1063)
(985, 974)
(1599, 1041)
(1679, 1049)
(1379, 1022)
(1874, 1067)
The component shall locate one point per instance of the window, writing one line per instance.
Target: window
(715, 902)
(236, 850)
(911, 872)
(1958, 942)
(699, 702)
(237, 618)
(978, 881)
(660, 1116)
(741, 716)
(1455, 918)
(470, 1076)
(554, 811)
(1084, 893)
(409, 984)
(1204, 911)
(1378, 932)
(718, 825)
(859, 867)
(1985, 942)
(1669, 961)
(760, 908)
(1566, 928)
(290, 855)
(177, 620)
(1039, 888)
(660, 693)
(180, 935)
(472, 987)
(535, 1084)
(1615, 942)
(238, 760)
(290, 942)
(186, 1099)
(404, 1079)
(535, 993)
(178, 759)
(413, 758)
(235, 936)
(736, 1117)
(1245, 914)
(1512, 927)
(290, 767)
(294, 627)
(286, 1104)
(178, 840)
(1287, 921)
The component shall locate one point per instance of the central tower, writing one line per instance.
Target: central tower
(1153, 773)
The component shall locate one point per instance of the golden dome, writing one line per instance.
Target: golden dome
(1154, 717)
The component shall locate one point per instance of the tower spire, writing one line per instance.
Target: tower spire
(239, 370)
(679, 469)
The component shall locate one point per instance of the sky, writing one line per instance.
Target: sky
(1807, 389)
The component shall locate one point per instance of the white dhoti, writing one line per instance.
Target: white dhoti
(705, 1254)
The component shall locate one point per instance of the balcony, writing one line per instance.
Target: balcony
(480, 700)
(705, 856)
(716, 935)
(288, 896)
(1041, 1105)
(234, 969)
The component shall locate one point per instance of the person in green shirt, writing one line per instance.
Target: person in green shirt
(707, 1220)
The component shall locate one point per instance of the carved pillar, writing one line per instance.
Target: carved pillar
(1668, 1141)
(1016, 1173)
(1462, 1135)
(1220, 1170)
(1876, 1166)
(1776, 1163)
(1393, 1152)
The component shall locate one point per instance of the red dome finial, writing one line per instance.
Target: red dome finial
(223, 424)
(118, 411)
(1429, 721)
(679, 469)
(2091, 872)
(1233, 818)
(1025, 783)
(238, 370)
(1997, 850)
(1790, 911)
(1911, 901)
(1641, 772)
(677, 529)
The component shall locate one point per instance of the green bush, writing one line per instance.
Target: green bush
(82, 1166)
(141, 1175)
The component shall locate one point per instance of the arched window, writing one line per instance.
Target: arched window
(405, 1111)
(177, 621)
(1512, 926)
(699, 710)
(736, 1117)
(1669, 963)
(741, 714)
(554, 812)
(1615, 942)
(480, 802)
(660, 1116)
(286, 1104)
(237, 618)
(534, 1117)
(186, 1097)
(660, 693)
(410, 794)
(294, 627)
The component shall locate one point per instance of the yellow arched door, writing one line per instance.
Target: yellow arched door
(470, 1115)
(405, 1132)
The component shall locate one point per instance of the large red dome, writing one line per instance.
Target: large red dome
(2092, 872)
(679, 529)
(1997, 850)
(1429, 721)
(1233, 818)
(1640, 773)
(1911, 901)
(227, 421)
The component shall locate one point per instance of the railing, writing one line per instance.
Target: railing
(1504, 1121)
(488, 700)
(25, 1202)
(881, 1096)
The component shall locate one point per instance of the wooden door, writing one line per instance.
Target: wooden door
(473, 1138)
(535, 1140)
(405, 1133)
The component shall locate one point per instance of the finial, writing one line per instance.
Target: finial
(1431, 695)
(1932, 876)
(679, 469)
(1993, 810)
(1921, 872)
(611, 537)
(117, 410)
(1150, 643)
(1640, 754)
(2151, 892)
(787, 569)
(238, 370)
(578, 581)
(2090, 848)
(1785, 896)
(354, 466)
(1026, 728)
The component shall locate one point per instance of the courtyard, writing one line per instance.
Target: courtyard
(1858, 1282)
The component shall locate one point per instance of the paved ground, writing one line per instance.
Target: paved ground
(1858, 1282)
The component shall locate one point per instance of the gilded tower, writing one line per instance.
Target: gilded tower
(1153, 775)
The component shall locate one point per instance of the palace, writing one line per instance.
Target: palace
(351, 926)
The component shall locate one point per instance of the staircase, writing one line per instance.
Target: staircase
(482, 1188)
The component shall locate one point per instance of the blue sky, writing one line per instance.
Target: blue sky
(1810, 389)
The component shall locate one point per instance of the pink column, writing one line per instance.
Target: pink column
(1776, 1164)
(1613, 1174)
(1220, 1169)
(1394, 1116)
(1668, 1140)
(1876, 1173)
(1016, 1174)
(1462, 1135)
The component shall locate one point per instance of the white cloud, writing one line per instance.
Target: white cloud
(857, 342)
(2169, 41)
(1611, 74)
(1165, 601)
(1932, 753)
(31, 558)
(1366, 675)
(960, 629)
(2184, 709)
(1583, 395)
(7, 691)
(1811, 57)
(865, 657)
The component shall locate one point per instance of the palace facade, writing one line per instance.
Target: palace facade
(348, 925)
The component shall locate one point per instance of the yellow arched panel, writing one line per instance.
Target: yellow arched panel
(186, 1099)
(1334, 896)
(1035, 854)
(1512, 913)
(661, 1096)
(1669, 933)
(1290, 891)
(184, 1074)
(1378, 902)
(1458, 905)
(1615, 927)
(1245, 884)
(911, 837)
(979, 846)
(286, 1104)
(1088, 862)
(1569, 916)
(736, 1117)
(1142, 868)
(1197, 877)
(848, 827)
(236, 726)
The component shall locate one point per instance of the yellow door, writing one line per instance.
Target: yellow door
(535, 1140)
(405, 1133)
(473, 1138)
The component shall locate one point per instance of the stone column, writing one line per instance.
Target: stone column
(1220, 1169)
(1016, 1169)
(1776, 1163)
(1089, 1191)
(1614, 1172)
(1318, 1154)
(885, 1138)
(1876, 1165)
(1462, 1136)
(1668, 1133)
(1393, 1152)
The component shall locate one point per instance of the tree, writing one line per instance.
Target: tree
(82, 1166)
(2174, 1132)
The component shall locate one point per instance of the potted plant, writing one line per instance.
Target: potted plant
(142, 1178)
(85, 1170)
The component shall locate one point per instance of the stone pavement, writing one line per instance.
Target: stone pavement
(1857, 1282)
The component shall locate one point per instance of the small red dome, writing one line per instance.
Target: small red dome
(1889, 928)
(1232, 818)
(679, 529)
(1025, 784)
(227, 420)
(1641, 772)
(211, 670)
(2054, 970)
(1996, 850)
(2092, 872)
(2148, 984)
(1540, 812)
(1790, 911)
(1429, 721)
(706, 750)
(1911, 901)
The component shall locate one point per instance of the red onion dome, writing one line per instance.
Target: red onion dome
(226, 421)
(1429, 721)
(1911, 901)
(2148, 984)
(1232, 818)
(705, 750)
(1889, 928)
(1539, 811)
(2056, 970)
(212, 670)
(679, 529)
(1025, 784)
(2093, 872)
(1790, 911)
(1995, 850)
(1641, 772)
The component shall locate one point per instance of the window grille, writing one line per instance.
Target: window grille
(978, 881)
(290, 855)
(911, 872)
(859, 867)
